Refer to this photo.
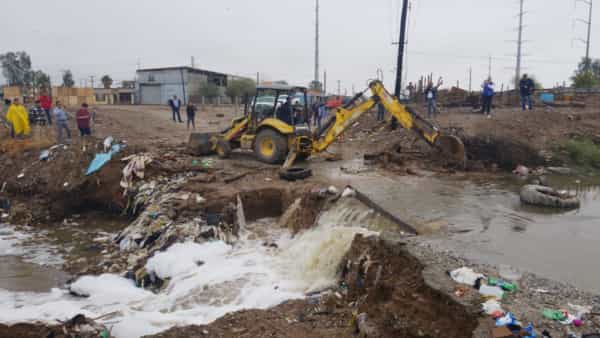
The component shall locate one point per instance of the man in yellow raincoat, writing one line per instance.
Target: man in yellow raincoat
(19, 118)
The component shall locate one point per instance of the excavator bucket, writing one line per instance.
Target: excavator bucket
(452, 149)
(201, 144)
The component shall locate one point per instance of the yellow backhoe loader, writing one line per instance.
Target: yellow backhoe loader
(274, 127)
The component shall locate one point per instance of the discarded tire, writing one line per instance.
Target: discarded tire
(547, 197)
(293, 174)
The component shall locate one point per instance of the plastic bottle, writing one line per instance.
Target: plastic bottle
(491, 291)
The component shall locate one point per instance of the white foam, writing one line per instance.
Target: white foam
(230, 278)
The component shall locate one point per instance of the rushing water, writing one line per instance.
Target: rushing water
(206, 280)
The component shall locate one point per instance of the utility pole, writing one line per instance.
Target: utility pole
(325, 82)
(339, 88)
(588, 63)
(401, 43)
(316, 79)
(92, 80)
(193, 62)
(470, 79)
(257, 78)
(490, 67)
(519, 43)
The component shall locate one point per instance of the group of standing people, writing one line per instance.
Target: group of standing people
(526, 90)
(190, 109)
(43, 113)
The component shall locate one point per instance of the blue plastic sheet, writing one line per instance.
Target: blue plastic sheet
(101, 159)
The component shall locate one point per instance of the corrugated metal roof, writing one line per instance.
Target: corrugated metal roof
(189, 69)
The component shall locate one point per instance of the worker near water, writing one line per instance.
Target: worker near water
(175, 104)
(431, 97)
(191, 115)
(84, 117)
(322, 114)
(18, 117)
(286, 112)
(487, 95)
(526, 88)
(62, 125)
(380, 112)
(46, 103)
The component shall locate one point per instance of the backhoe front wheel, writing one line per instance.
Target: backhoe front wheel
(271, 146)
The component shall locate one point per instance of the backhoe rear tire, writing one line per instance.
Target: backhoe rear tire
(271, 146)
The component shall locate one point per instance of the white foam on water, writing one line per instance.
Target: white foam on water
(9, 241)
(207, 281)
(19, 243)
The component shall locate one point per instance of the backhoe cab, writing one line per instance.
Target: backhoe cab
(275, 120)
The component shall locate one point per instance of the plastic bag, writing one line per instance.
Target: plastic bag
(465, 275)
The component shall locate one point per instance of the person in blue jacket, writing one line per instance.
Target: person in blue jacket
(487, 95)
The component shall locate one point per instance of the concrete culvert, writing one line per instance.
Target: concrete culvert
(547, 197)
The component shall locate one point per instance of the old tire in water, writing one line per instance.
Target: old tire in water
(271, 146)
(293, 174)
(547, 197)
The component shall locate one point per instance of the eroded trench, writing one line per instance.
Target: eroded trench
(195, 253)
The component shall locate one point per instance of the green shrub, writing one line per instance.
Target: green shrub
(584, 152)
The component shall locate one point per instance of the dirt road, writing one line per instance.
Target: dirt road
(153, 125)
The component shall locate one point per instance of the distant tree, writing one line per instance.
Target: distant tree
(68, 79)
(107, 81)
(209, 90)
(40, 80)
(240, 88)
(16, 68)
(585, 77)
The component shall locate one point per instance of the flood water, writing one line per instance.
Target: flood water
(481, 218)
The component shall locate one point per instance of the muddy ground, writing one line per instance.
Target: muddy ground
(390, 298)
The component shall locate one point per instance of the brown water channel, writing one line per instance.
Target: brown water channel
(480, 217)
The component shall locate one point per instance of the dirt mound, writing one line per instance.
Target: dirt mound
(382, 293)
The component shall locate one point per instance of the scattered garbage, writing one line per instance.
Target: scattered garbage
(506, 320)
(107, 143)
(333, 190)
(135, 168)
(521, 171)
(101, 159)
(466, 276)
(492, 307)
(506, 286)
(491, 291)
(44, 155)
(21, 175)
(349, 192)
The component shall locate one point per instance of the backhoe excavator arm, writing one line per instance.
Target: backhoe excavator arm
(451, 146)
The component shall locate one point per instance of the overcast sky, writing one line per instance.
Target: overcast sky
(276, 38)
